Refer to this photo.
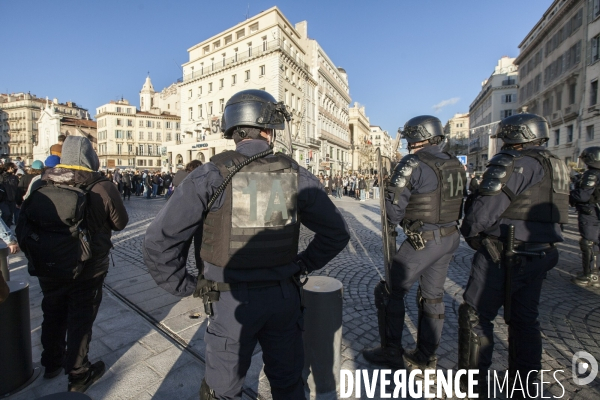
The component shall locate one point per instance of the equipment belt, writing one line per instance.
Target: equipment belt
(444, 231)
(524, 246)
(226, 287)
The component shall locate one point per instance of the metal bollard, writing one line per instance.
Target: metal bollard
(323, 299)
(16, 366)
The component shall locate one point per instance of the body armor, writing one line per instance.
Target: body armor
(258, 225)
(546, 201)
(591, 179)
(444, 204)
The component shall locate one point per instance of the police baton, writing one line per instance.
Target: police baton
(510, 255)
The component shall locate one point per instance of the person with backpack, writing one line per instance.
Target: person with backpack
(65, 232)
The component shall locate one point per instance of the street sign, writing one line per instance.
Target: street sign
(462, 159)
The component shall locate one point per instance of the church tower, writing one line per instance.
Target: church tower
(147, 95)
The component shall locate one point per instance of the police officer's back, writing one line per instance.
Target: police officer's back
(524, 186)
(249, 245)
(585, 198)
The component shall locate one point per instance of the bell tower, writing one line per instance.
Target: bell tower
(147, 95)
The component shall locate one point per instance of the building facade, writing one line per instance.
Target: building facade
(51, 124)
(382, 140)
(496, 101)
(361, 146)
(457, 134)
(552, 75)
(134, 139)
(19, 114)
(265, 52)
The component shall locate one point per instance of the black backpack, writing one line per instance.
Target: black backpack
(52, 230)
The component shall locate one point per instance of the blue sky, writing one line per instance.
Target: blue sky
(402, 57)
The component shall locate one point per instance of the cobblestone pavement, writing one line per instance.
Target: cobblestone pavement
(569, 315)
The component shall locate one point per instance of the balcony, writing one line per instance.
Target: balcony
(257, 51)
(314, 142)
(509, 82)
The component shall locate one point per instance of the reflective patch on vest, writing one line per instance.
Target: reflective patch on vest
(560, 176)
(453, 183)
(264, 199)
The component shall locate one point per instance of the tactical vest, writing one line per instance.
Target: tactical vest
(591, 178)
(546, 201)
(444, 204)
(258, 225)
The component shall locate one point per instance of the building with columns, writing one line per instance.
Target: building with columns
(381, 140)
(456, 131)
(132, 138)
(361, 146)
(269, 53)
(496, 100)
(51, 124)
(19, 114)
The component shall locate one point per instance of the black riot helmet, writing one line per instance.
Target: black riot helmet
(254, 109)
(421, 128)
(591, 157)
(522, 128)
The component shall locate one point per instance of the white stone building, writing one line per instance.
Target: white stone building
(360, 138)
(552, 75)
(496, 100)
(265, 52)
(19, 114)
(457, 134)
(131, 138)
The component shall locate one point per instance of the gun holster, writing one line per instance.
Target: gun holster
(413, 236)
(494, 249)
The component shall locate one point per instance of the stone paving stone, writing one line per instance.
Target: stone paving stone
(124, 385)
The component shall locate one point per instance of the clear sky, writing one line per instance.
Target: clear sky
(403, 57)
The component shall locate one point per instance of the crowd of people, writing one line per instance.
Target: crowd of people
(357, 186)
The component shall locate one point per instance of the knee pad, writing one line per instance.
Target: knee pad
(586, 245)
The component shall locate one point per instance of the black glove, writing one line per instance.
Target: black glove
(474, 242)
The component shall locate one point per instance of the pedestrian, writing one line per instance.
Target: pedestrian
(345, 183)
(126, 183)
(56, 149)
(71, 269)
(8, 200)
(118, 180)
(524, 186)
(585, 197)
(8, 244)
(249, 290)
(147, 181)
(155, 183)
(428, 207)
(474, 183)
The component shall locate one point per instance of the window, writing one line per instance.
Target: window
(177, 125)
(199, 91)
(233, 79)
(572, 92)
(595, 47)
(118, 109)
(228, 39)
(149, 124)
(505, 113)
(141, 136)
(118, 134)
(508, 98)
(216, 44)
(221, 83)
(240, 34)
(119, 148)
(191, 114)
(222, 105)
(141, 150)
(262, 69)
(558, 101)
(169, 125)
(594, 93)
(157, 124)
(210, 87)
(149, 135)
(200, 111)
(247, 74)
(129, 122)
(264, 43)
(210, 108)
(206, 50)
(129, 135)
(150, 149)
(596, 8)
(254, 27)
(569, 133)
(235, 54)
(557, 137)
(141, 124)
(168, 136)
(119, 121)
(128, 110)
(249, 49)
(129, 148)
(589, 130)
(190, 93)
(151, 162)
(223, 62)
(159, 137)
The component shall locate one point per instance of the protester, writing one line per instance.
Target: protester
(56, 149)
(10, 184)
(72, 288)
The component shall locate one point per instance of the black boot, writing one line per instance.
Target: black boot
(420, 360)
(389, 356)
(81, 382)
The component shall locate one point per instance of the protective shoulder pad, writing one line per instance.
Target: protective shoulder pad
(228, 159)
(403, 171)
(590, 178)
(499, 169)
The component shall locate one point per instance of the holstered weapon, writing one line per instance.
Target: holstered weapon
(510, 255)
(413, 236)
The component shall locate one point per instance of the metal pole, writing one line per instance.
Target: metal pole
(323, 299)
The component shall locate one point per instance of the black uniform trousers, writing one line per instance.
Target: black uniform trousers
(589, 226)
(270, 316)
(430, 267)
(70, 308)
(485, 293)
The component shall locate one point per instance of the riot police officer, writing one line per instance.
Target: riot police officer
(585, 197)
(248, 203)
(527, 187)
(425, 196)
